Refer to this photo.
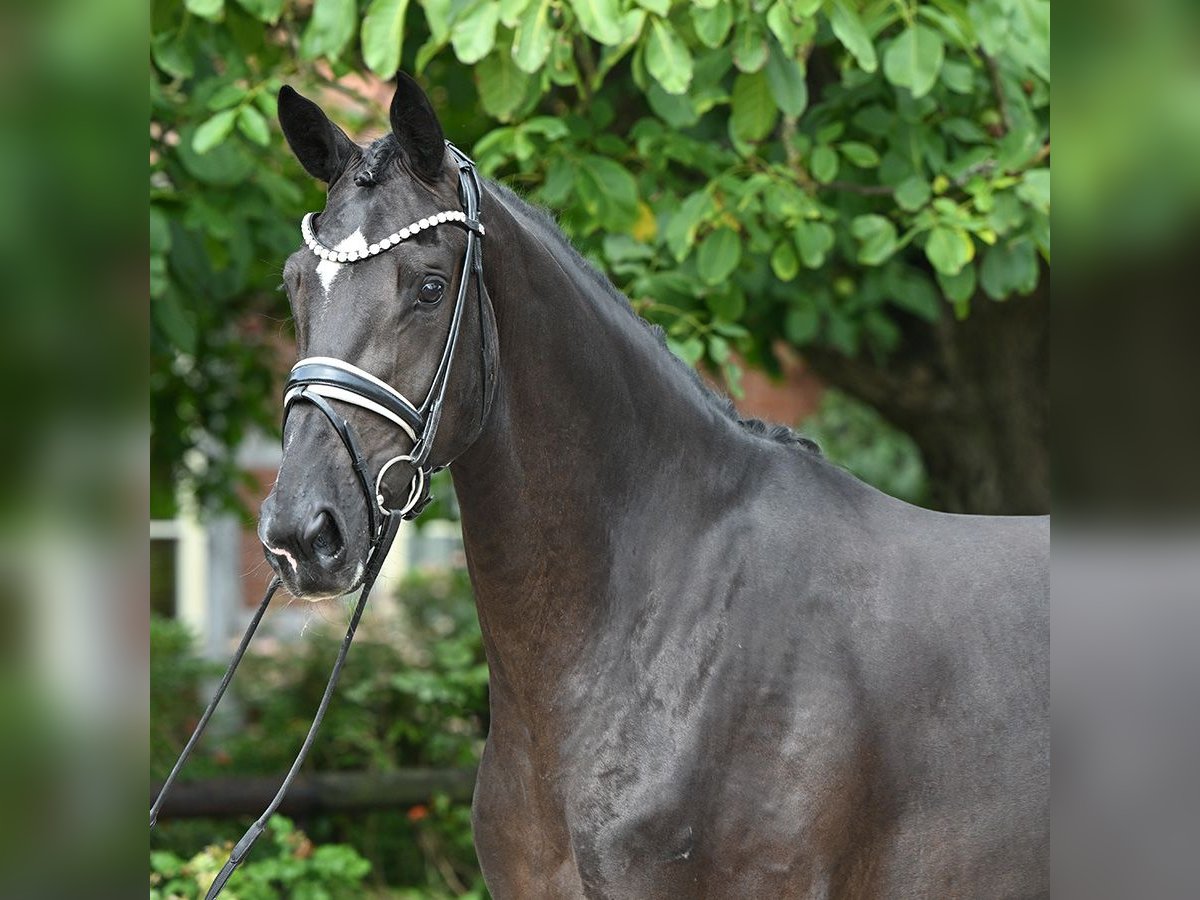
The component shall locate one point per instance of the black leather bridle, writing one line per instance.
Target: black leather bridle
(318, 380)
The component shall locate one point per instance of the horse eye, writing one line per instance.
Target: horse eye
(432, 290)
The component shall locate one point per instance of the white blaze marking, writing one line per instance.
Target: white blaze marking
(328, 270)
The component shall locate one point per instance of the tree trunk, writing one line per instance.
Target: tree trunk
(975, 397)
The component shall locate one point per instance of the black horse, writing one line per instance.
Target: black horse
(720, 665)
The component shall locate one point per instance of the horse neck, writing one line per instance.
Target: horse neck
(595, 435)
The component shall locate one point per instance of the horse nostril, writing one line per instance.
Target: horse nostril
(322, 536)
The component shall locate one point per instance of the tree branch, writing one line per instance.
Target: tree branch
(998, 90)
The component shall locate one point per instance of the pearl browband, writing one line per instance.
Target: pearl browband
(343, 256)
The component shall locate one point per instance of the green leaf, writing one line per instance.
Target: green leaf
(786, 78)
(959, 77)
(958, 288)
(914, 59)
(784, 262)
(912, 193)
(911, 291)
(802, 323)
(750, 49)
(949, 249)
(267, 11)
(880, 327)
(267, 103)
(533, 39)
(510, 11)
(842, 331)
(779, 21)
(718, 255)
(754, 112)
(213, 10)
(383, 36)
(438, 15)
(877, 238)
(814, 240)
(718, 349)
(214, 131)
(965, 130)
(227, 95)
(849, 29)
(599, 19)
(225, 164)
(160, 280)
(689, 351)
(680, 232)
(330, 29)
(674, 109)
(658, 7)
(991, 21)
(712, 25)
(861, 155)
(172, 55)
(502, 86)
(824, 164)
(609, 193)
(729, 304)
(177, 323)
(1034, 189)
(667, 57)
(160, 231)
(1009, 267)
(252, 124)
(474, 35)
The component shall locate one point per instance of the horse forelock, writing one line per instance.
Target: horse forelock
(376, 163)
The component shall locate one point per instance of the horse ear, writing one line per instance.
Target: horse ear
(322, 148)
(417, 128)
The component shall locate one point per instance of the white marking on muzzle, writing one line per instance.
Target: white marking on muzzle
(291, 559)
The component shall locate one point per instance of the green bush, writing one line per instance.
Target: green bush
(175, 701)
(295, 869)
(413, 693)
(855, 436)
(413, 698)
(826, 172)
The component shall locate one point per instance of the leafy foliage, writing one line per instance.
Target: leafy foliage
(853, 435)
(295, 869)
(416, 696)
(812, 169)
(175, 673)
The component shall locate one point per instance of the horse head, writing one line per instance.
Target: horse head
(395, 334)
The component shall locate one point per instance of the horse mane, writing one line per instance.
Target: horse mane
(384, 155)
(779, 434)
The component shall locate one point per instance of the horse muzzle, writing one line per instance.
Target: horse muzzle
(308, 550)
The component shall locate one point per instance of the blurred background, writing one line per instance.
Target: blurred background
(838, 210)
